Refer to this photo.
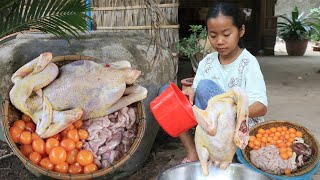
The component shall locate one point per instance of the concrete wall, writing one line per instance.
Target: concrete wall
(286, 6)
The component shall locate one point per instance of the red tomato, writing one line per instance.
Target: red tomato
(26, 118)
(90, 168)
(61, 168)
(73, 135)
(50, 144)
(20, 124)
(35, 157)
(84, 157)
(46, 163)
(78, 124)
(75, 168)
(26, 150)
(25, 137)
(57, 155)
(72, 156)
(39, 146)
(68, 144)
(15, 133)
(30, 126)
(83, 134)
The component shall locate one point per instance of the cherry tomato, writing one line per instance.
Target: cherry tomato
(25, 137)
(57, 136)
(90, 168)
(30, 126)
(35, 157)
(62, 167)
(64, 133)
(15, 133)
(34, 136)
(75, 168)
(68, 144)
(84, 157)
(83, 134)
(50, 144)
(73, 135)
(71, 126)
(39, 146)
(78, 124)
(20, 124)
(26, 150)
(26, 118)
(46, 163)
(72, 156)
(58, 155)
(79, 144)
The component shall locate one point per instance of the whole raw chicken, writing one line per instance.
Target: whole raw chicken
(55, 98)
(222, 126)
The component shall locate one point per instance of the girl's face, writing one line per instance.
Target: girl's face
(224, 35)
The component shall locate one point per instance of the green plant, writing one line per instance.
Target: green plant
(315, 12)
(59, 17)
(297, 26)
(190, 47)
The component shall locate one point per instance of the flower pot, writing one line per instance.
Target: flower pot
(296, 47)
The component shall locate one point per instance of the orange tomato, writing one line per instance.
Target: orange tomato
(251, 144)
(57, 136)
(26, 118)
(39, 146)
(50, 144)
(90, 168)
(298, 134)
(291, 130)
(62, 167)
(284, 155)
(19, 124)
(35, 157)
(83, 134)
(72, 156)
(290, 154)
(15, 133)
(282, 150)
(282, 145)
(25, 137)
(78, 124)
(73, 135)
(75, 168)
(252, 138)
(256, 147)
(30, 126)
(259, 135)
(46, 163)
(34, 136)
(291, 139)
(71, 126)
(264, 139)
(68, 144)
(273, 130)
(287, 171)
(278, 134)
(284, 128)
(279, 129)
(292, 135)
(268, 131)
(26, 150)
(261, 131)
(84, 157)
(64, 133)
(57, 155)
(257, 143)
(79, 144)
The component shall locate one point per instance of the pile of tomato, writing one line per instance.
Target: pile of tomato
(281, 137)
(61, 153)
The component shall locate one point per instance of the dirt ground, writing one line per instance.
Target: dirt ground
(293, 94)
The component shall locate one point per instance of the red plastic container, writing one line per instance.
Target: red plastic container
(173, 111)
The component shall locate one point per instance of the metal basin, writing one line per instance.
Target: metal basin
(193, 171)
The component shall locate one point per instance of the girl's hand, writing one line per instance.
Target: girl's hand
(189, 92)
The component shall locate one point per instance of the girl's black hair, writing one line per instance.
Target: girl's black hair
(228, 9)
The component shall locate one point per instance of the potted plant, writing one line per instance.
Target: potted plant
(194, 47)
(296, 31)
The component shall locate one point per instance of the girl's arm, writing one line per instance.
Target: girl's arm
(257, 109)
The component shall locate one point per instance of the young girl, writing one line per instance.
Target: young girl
(231, 65)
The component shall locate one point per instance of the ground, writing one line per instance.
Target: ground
(293, 93)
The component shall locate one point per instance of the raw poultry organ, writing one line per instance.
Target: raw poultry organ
(110, 137)
(222, 126)
(56, 97)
